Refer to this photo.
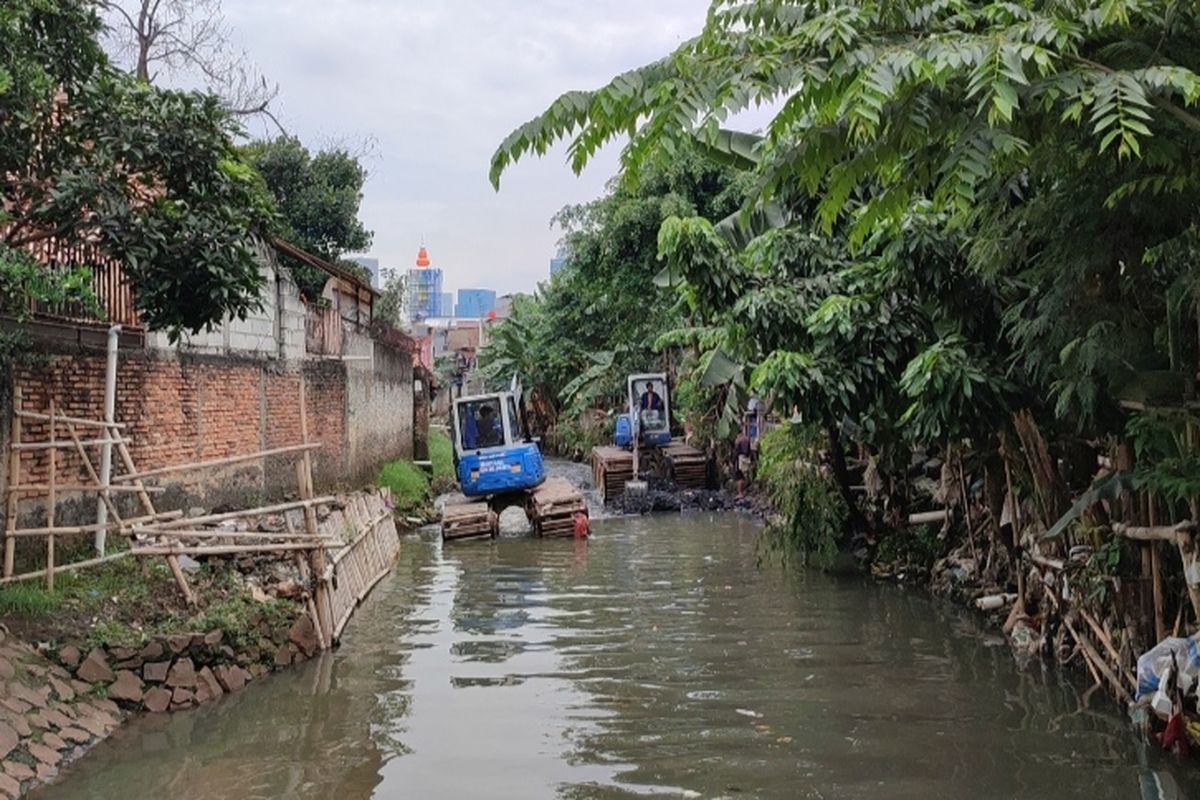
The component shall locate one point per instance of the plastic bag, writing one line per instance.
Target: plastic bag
(1154, 663)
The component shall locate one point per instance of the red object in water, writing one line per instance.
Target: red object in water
(582, 529)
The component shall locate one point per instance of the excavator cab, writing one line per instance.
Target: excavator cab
(649, 417)
(492, 454)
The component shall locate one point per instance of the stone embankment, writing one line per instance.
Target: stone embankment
(55, 706)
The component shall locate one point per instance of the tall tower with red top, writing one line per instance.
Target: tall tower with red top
(424, 289)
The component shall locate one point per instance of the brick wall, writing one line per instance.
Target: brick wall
(186, 407)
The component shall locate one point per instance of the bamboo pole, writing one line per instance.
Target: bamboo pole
(1164, 533)
(225, 516)
(966, 501)
(1091, 654)
(1014, 517)
(304, 477)
(1160, 624)
(53, 445)
(148, 506)
(87, 463)
(131, 469)
(1109, 647)
(226, 550)
(91, 562)
(217, 462)
(79, 421)
(14, 477)
(35, 489)
(217, 533)
(180, 578)
(52, 502)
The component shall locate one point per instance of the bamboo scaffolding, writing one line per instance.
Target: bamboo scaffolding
(216, 462)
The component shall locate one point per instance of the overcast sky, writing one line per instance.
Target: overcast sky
(437, 85)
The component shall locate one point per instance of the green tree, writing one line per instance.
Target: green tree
(600, 318)
(984, 205)
(390, 305)
(318, 198)
(150, 176)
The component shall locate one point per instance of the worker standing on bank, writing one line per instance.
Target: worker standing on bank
(742, 450)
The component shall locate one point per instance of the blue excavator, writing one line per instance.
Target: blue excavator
(497, 466)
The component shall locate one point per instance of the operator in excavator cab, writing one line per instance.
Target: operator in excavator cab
(650, 399)
(490, 432)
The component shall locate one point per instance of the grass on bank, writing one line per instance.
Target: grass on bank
(124, 602)
(412, 486)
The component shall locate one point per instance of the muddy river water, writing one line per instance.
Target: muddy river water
(658, 660)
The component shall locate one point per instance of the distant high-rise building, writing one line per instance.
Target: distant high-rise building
(446, 304)
(424, 289)
(475, 303)
(559, 261)
(371, 265)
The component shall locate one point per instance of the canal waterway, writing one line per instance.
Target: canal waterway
(659, 659)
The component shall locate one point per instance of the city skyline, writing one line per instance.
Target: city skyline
(427, 123)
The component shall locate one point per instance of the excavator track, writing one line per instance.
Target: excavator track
(552, 506)
(464, 518)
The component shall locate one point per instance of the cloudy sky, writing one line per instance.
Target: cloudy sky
(436, 86)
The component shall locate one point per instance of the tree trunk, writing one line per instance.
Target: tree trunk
(1047, 482)
(841, 475)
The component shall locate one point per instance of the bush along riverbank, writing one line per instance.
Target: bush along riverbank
(120, 638)
(413, 488)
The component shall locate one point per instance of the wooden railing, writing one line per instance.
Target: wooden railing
(114, 295)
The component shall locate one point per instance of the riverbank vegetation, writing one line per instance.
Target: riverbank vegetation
(413, 488)
(965, 253)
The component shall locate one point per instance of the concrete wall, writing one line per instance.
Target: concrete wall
(379, 390)
(274, 331)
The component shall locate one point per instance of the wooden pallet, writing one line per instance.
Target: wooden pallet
(612, 468)
(466, 519)
(552, 507)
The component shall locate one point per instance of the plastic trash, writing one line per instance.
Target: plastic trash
(1161, 703)
(1180, 654)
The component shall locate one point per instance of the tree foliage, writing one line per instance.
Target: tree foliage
(600, 318)
(318, 198)
(959, 209)
(151, 177)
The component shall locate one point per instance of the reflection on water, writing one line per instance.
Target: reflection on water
(656, 660)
